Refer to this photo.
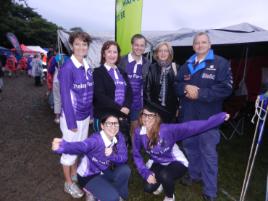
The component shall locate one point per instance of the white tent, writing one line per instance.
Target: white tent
(238, 34)
(37, 49)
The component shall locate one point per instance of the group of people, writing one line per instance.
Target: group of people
(146, 106)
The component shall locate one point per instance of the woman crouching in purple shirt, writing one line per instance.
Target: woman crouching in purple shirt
(167, 162)
(102, 172)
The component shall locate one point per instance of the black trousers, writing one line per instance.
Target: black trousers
(37, 81)
(166, 175)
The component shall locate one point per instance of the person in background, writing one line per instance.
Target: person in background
(76, 91)
(204, 81)
(22, 65)
(112, 90)
(103, 172)
(53, 69)
(1, 78)
(11, 65)
(160, 83)
(37, 69)
(167, 162)
(29, 67)
(136, 66)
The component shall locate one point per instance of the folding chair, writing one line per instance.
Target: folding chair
(235, 106)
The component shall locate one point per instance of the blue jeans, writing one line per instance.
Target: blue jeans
(110, 185)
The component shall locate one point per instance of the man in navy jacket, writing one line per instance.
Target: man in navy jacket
(204, 81)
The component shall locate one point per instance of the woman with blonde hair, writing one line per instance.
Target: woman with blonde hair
(160, 83)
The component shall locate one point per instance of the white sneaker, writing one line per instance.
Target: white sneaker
(169, 199)
(89, 196)
(73, 190)
(159, 190)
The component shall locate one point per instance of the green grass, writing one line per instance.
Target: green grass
(233, 156)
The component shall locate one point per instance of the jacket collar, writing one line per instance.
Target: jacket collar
(107, 141)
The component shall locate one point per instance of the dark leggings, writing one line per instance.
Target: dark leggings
(166, 175)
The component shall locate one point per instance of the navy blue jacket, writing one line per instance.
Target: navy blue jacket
(215, 83)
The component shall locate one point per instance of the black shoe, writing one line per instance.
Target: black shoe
(208, 198)
(186, 180)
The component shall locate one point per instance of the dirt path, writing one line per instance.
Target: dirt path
(29, 170)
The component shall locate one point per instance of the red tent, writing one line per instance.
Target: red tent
(24, 49)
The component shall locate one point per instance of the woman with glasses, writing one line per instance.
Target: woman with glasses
(167, 162)
(102, 172)
(160, 83)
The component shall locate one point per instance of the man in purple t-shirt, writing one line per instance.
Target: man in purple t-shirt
(136, 66)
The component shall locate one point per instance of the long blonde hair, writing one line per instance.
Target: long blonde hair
(153, 133)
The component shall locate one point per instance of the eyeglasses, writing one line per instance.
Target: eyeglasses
(163, 51)
(110, 124)
(149, 116)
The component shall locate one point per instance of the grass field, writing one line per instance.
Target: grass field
(233, 156)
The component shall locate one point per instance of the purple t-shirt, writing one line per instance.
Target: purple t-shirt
(169, 134)
(120, 85)
(135, 79)
(93, 148)
(76, 90)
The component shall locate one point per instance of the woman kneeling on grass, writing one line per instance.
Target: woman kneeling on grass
(167, 162)
(102, 172)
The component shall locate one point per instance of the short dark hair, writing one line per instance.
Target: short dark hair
(107, 115)
(85, 37)
(106, 46)
(138, 36)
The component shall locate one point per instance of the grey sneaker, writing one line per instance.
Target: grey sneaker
(73, 190)
(89, 196)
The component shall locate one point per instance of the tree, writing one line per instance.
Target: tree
(29, 27)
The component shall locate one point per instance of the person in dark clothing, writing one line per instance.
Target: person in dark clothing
(112, 90)
(204, 81)
(160, 83)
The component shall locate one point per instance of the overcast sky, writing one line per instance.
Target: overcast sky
(160, 15)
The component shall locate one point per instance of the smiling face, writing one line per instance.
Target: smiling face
(111, 55)
(148, 119)
(163, 53)
(110, 127)
(201, 45)
(138, 47)
(80, 49)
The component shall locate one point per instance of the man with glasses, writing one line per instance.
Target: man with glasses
(204, 81)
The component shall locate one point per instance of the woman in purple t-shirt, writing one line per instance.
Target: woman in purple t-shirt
(102, 172)
(167, 162)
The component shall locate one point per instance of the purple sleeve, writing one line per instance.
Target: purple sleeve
(66, 81)
(75, 147)
(187, 129)
(121, 155)
(138, 159)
